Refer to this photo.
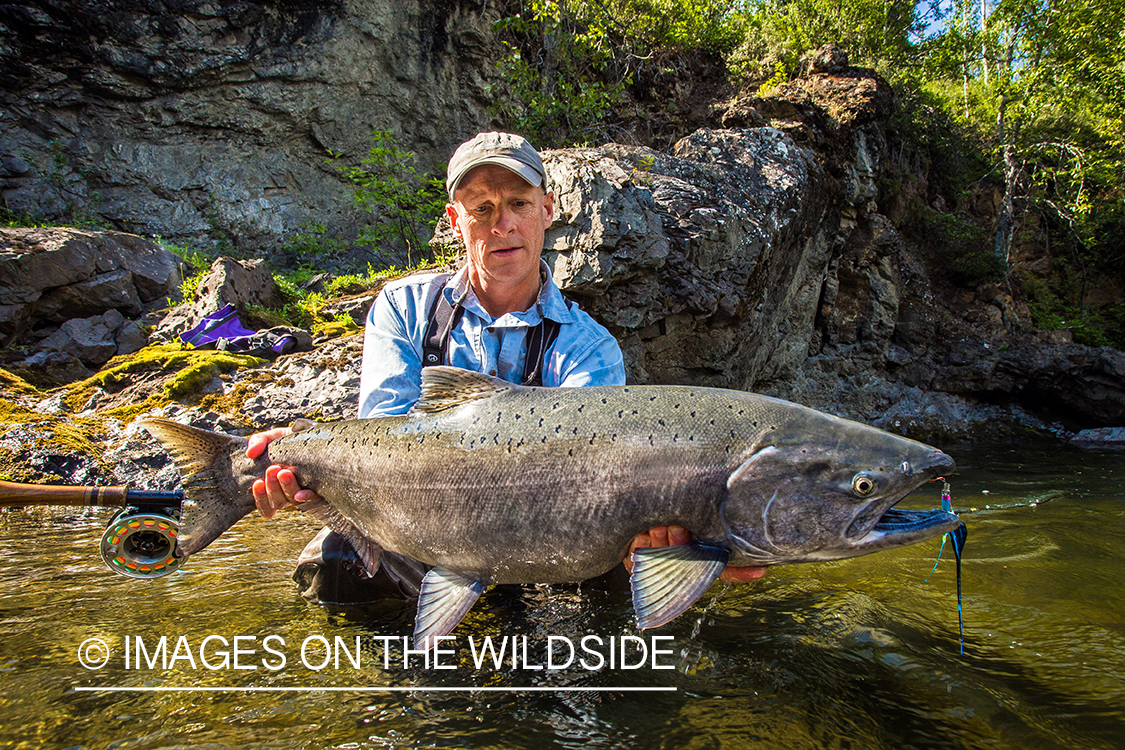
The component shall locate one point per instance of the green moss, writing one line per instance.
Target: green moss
(230, 402)
(14, 384)
(192, 368)
(341, 325)
(52, 432)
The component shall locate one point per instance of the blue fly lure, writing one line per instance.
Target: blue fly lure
(957, 537)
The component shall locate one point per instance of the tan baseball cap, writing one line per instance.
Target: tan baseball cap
(504, 149)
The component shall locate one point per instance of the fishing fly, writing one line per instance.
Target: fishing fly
(957, 537)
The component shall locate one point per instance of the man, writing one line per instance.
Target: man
(499, 206)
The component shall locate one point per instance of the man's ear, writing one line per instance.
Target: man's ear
(451, 212)
(549, 207)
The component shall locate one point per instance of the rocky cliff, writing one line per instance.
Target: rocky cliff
(211, 122)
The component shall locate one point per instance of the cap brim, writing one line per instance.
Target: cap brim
(526, 171)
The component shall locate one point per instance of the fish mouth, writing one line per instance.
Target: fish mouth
(898, 521)
(899, 528)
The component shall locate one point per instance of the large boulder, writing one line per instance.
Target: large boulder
(50, 275)
(93, 341)
(246, 284)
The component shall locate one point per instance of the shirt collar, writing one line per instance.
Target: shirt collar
(550, 304)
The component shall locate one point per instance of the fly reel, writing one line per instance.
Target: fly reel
(141, 543)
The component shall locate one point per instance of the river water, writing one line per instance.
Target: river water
(861, 653)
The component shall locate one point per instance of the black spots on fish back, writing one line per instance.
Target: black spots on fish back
(740, 412)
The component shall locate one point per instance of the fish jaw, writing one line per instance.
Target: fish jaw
(812, 500)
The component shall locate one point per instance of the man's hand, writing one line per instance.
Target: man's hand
(279, 488)
(664, 536)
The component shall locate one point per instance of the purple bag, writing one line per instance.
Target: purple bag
(224, 331)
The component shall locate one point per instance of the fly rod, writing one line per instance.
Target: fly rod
(16, 495)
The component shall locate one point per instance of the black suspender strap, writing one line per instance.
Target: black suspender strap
(441, 320)
(539, 340)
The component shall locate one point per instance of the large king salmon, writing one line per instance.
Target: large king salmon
(491, 483)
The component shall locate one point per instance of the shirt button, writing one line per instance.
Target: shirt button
(492, 373)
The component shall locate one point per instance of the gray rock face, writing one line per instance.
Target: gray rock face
(705, 264)
(216, 119)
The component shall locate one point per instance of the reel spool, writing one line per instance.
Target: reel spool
(141, 543)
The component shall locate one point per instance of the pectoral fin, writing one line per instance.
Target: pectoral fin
(668, 580)
(445, 598)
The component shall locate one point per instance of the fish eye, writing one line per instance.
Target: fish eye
(863, 484)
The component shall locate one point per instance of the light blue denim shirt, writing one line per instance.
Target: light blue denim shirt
(390, 382)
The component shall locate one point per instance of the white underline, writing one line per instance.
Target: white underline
(371, 689)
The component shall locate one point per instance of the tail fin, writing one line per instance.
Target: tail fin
(216, 476)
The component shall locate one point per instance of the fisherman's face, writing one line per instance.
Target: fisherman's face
(502, 220)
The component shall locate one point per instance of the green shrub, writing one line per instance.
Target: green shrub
(404, 204)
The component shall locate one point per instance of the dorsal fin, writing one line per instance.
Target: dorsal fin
(447, 387)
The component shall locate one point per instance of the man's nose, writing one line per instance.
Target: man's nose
(505, 222)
